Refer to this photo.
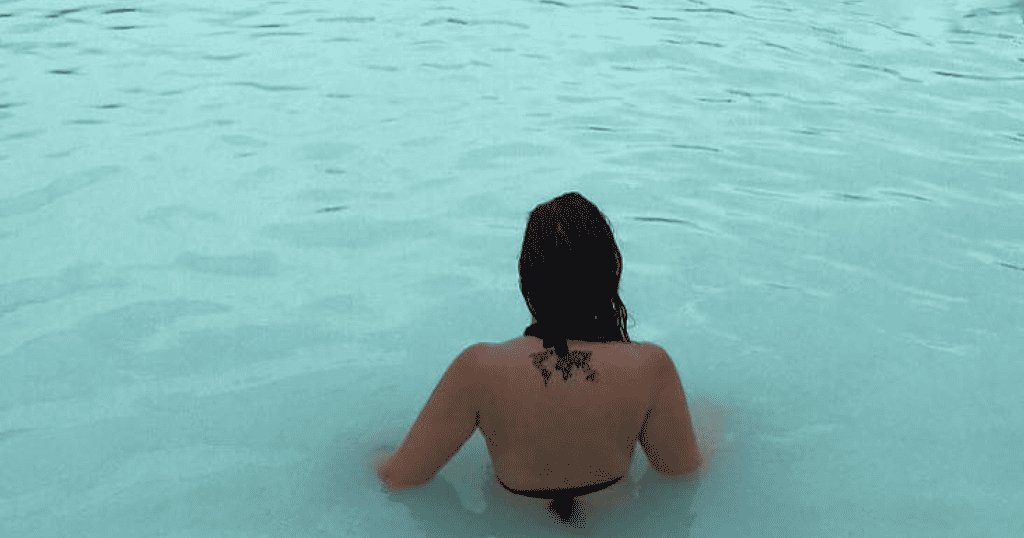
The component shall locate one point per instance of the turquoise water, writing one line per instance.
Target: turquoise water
(240, 242)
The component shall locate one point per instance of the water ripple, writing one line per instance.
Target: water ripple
(63, 12)
(906, 195)
(886, 70)
(37, 199)
(361, 20)
(224, 57)
(270, 87)
(14, 432)
(715, 10)
(700, 148)
(851, 197)
(978, 77)
(687, 223)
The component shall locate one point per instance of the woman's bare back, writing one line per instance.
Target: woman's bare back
(555, 423)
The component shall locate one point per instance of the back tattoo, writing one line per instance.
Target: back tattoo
(575, 358)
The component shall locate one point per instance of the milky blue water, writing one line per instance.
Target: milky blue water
(241, 241)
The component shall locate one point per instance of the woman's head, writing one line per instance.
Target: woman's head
(569, 270)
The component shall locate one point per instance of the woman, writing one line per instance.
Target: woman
(562, 406)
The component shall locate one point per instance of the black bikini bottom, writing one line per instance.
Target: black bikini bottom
(560, 493)
(562, 500)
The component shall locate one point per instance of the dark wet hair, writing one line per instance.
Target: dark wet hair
(569, 271)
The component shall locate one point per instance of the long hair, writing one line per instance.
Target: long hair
(569, 271)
